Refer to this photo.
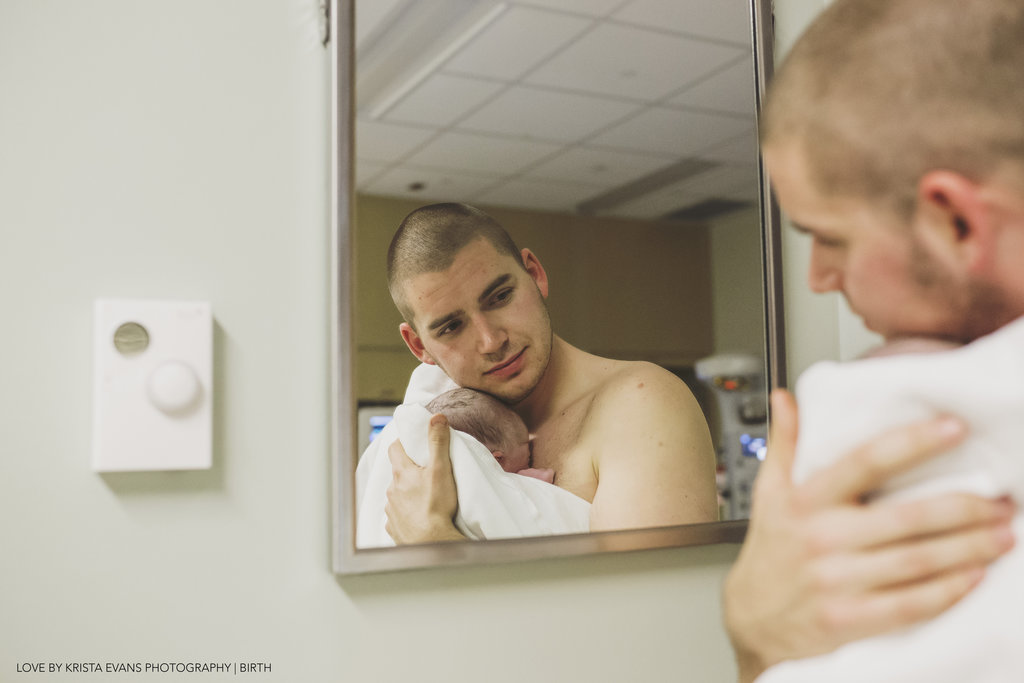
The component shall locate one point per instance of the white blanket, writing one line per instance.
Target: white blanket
(492, 503)
(841, 405)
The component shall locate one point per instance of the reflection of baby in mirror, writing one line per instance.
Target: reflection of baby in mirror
(493, 424)
(842, 405)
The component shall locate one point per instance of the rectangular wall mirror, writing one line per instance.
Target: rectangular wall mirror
(617, 140)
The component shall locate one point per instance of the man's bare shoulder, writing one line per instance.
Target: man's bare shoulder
(649, 441)
(649, 400)
(631, 382)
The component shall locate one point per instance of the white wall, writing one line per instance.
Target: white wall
(178, 149)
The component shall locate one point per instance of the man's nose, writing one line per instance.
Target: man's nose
(491, 338)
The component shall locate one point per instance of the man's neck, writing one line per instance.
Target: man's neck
(549, 393)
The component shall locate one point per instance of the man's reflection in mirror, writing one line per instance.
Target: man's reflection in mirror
(627, 437)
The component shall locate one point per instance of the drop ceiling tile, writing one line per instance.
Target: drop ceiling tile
(371, 15)
(600, 167)
(547, 114)
(738, 151)
(720, 20)
(541, 195)
(442, 99)
(594, 8)
(480, 153)
(517, 41)
(731, 90)
(430, 185)
(366, 171)
(675, 131)
(631, 62)
(387, 142)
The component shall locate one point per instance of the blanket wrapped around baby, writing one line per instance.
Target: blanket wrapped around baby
(492, 503)
(842, 405)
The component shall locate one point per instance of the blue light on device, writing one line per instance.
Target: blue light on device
(754, 446)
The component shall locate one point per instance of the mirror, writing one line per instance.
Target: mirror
(604, 135)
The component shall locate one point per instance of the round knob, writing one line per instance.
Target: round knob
(174, 388)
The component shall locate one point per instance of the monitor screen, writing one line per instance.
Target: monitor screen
(371, 421)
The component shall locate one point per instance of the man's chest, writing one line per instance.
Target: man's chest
(558, 444)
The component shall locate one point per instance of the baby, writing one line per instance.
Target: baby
(842, 405)
(493, 424)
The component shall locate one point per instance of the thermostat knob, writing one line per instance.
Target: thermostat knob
(173, 388)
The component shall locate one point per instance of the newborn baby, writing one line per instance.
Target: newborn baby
(493, 424)
(844, 404)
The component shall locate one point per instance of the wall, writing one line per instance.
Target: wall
(178, 150)
(737, 271)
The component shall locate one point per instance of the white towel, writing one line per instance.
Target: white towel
(842, 405)
(492, 503)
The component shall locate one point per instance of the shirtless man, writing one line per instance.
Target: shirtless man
(894, 138)
(629, 437)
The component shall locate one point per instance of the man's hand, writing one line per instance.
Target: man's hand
(820, 567)
(422, 500)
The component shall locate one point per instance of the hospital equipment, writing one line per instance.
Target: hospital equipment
(737, 383)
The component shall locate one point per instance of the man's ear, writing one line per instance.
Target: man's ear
(953, 217)
(415, 343)
(532, 265)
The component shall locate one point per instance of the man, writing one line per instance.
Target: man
(894, 138)
(626, 436)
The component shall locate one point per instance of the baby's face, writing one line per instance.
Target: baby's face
(516, 455)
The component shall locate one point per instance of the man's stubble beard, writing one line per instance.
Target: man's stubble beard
(977, 307)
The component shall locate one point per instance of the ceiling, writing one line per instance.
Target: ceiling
(631, 108)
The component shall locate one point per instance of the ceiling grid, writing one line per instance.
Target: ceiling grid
(558, 104)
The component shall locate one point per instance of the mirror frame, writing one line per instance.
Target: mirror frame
(346, 558)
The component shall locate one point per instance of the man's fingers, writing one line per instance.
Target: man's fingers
(898, 565)
(883, 523)
(782, 442)
(868, 467)
(398, 457)
(438, 441)
(864, 615)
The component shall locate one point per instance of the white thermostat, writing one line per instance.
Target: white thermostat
(153, 385)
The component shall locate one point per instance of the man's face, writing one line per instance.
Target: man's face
(483, 321)
(888, 276)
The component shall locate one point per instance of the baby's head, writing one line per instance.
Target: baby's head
(490, 422)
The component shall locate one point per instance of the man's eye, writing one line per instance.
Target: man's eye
(502, 296)
(828, 242)
(449, 328)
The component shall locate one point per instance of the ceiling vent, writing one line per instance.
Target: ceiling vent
(669, 175)
(706, 210)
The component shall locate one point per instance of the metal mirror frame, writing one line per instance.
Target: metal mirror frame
(346, 558)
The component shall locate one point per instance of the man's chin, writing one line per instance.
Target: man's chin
(509, 395)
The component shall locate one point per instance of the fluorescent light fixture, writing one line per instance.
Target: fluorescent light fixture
(417, 40)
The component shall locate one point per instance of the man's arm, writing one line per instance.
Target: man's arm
(820, 567)
(421, 501)
(653, 455)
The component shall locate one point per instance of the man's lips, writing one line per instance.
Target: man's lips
(509, 367)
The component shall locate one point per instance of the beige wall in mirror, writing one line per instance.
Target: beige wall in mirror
(620, 148)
